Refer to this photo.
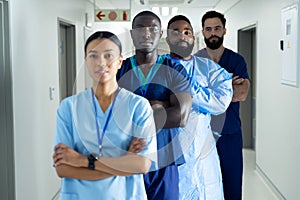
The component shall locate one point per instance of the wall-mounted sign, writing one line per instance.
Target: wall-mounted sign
(113, 15)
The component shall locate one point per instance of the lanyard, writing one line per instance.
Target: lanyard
(144, 82)
(100, 137)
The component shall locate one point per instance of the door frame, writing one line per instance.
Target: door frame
(69, 79)
(247, 47)
(7, 167)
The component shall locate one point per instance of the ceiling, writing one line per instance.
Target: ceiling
(186, 3)
(220, 5)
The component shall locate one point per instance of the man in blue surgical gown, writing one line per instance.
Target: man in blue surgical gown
(200, 177)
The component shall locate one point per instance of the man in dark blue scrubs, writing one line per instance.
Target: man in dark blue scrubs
(166, 85)
(230, 143)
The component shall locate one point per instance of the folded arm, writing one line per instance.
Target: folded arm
(240, 89)
(83, 173)
(176, 114)
(216, 97)
(71, 164)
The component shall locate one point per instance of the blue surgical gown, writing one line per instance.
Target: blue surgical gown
(200, 177)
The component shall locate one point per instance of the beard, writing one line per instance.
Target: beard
(181, 52)
(215, 44)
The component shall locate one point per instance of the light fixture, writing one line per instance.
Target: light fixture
(165, 11)
(174, 10)
(156, 10)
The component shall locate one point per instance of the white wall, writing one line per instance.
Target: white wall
(277, 140)
(34, 52)
(34, 55)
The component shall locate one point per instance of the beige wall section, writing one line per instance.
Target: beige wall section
(277, 140)
(34, 47)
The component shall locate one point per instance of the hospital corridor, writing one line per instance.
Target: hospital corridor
(43, 62)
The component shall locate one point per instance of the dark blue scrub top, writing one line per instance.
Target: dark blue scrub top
(170, 78)
(234, 63)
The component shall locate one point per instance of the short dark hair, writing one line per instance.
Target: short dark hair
(146, 13)
(103, 35)
(213, 14)
(177, 18)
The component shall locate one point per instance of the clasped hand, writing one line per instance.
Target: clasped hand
(239, 89)
(68, 156)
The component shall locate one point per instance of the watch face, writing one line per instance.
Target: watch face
(92, 160)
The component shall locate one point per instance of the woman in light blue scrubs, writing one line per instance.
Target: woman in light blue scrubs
(94, 130)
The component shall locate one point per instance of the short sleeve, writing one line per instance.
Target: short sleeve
(63, 131)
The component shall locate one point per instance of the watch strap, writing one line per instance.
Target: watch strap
(91, 160)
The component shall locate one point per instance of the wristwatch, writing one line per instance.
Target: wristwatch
(92, 160)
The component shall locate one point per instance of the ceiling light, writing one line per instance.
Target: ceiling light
(156, 10)
(174, 10)
(165, 11)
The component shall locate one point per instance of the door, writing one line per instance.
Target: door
(67, 59)
(7, 183)
(247, 48)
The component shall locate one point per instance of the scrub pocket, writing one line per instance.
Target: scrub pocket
(68, 196)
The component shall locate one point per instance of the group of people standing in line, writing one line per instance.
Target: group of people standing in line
(143, 130)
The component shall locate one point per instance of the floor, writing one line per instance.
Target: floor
(254, 187)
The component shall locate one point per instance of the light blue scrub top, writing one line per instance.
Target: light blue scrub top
(212, 93)
(76, 127)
